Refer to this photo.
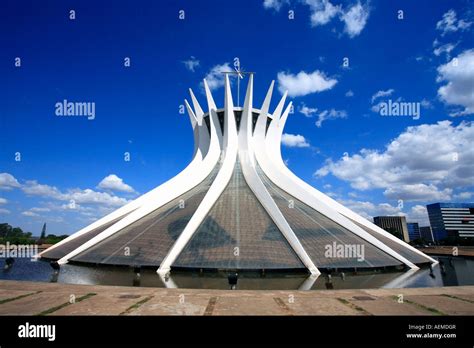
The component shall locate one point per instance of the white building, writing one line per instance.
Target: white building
(236, 206)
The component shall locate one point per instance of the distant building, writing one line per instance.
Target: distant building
(413, 230)
(392, 224)
(451, 220)
(426, 234)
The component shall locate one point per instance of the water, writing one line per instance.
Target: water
(454, 271)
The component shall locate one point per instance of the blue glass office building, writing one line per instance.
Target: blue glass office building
(451, 220)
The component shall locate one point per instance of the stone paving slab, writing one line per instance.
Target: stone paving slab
(172, 305)
(102, 304)
(321, 306)
(248, 306)
(466, 297)
(444, 304)
(114, 300)
(8, 294)
(389, 306)
(35, 304)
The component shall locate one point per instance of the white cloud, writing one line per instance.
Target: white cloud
(464, 195)
(3, 200)
(330, 115)
(450, 23)
(381, 93)
(447, 48)
(304, 83)
(33, 188)
(4, 211)
(369, 209)
(215, 77)
(355, 19)
(41, 210)
(425, 103)
(349, 93)
(307, 111)
(274, 4)
(322, 11)
(88, 196)
(79, 196)
(8, 182)
(410, 167)
(113, 183)
(294, 140)
(29, 214)
(418, 192)
(459, 89)
(191, 64)
(418, 213)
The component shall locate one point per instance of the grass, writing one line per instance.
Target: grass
(56, 308)
(353, 306)
(419, 305)
(136, 305)
(458, 298)
(18, 297)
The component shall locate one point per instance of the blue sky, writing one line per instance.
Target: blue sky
(336, 139)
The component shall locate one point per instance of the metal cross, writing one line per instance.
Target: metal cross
(240, 75)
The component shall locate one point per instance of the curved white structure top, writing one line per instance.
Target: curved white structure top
(256, 148)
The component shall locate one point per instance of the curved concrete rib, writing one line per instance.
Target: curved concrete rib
(217, 187)
(195, 173)
(273, 151)
(246, 156)
(278, 178)
(201, 146)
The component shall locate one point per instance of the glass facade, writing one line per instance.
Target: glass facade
(320, 236)
(147, 241)
(66, 248)
(238, 234)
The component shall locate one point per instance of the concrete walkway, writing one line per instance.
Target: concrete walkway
(35, 298)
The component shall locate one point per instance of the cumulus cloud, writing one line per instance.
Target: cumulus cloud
(79, 196)
(446, 48)
(381, 94)
(215, 77)
(330, 115)
(355, 19)
(464, 195)
(322, 11)
(410, 167)
(274, 4)
(4, 211)
(307, 111)
(458, 74)
(113, 183)
(304, 83)
(369, 210)
(8, 182)
(418, 192)
(449, 23)
(294, 140)
(354, 16)
(349, 93)
(29, 214)
(3, 200)
(191, 64)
